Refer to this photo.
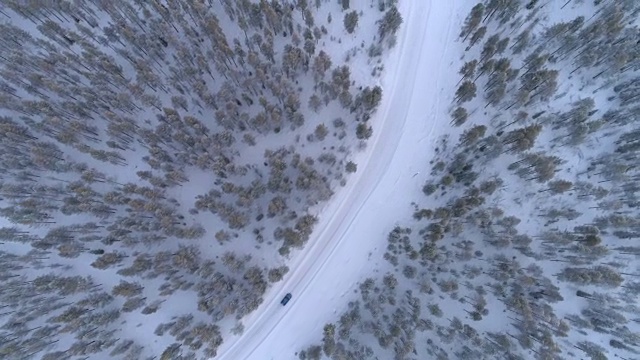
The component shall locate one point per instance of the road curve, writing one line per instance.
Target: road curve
(406, 117)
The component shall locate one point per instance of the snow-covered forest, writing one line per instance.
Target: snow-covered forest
(162, 161)
(523, 241)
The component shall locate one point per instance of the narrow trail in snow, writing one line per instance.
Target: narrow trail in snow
(339, 216)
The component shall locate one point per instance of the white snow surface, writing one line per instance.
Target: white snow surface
(352, 224)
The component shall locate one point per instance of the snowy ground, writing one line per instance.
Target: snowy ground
(349, 232)
(351, 50)
(522, 198)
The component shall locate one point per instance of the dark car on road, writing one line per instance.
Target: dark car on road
(285, 299)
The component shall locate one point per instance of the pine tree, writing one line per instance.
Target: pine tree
(472, 21)
(127, 289)
(559, 186)
(598, 275)
(363, 131)
(466, 92)
(351, 21)
(390, 22)
(477, 36)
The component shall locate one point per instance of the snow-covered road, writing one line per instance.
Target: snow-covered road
(353, 225)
